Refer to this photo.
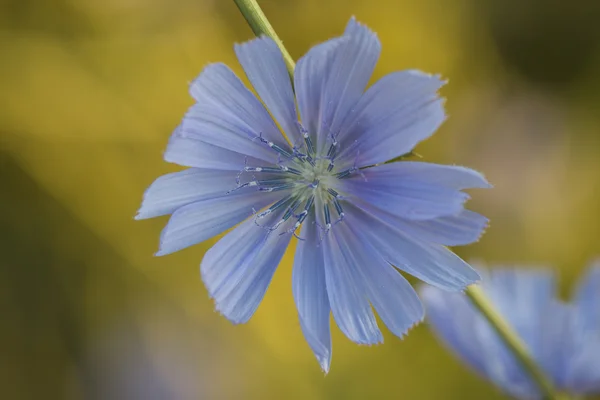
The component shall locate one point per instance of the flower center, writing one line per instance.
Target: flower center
(307, 182)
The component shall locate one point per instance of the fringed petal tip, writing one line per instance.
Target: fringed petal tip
(411, 327)
(478, 179)
(353, 25)
(233, 321)
(369, 343)
(399, 335)
(218, 307)
(325, 366)
(324, 360)
(483, 225)
(422, 74)
(484, 229)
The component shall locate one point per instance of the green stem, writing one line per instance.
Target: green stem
(260, 25)
(511, 340)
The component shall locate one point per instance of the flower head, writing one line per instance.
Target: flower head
(325, 182)
(562, 338)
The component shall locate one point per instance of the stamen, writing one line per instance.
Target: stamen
(301, 217)
(277, 188)
(272, 145)
(237, 178)
(309, 203)
(274, 170)
(333, 193)
(309, 144)
(290, 211)
(274, 207)
(268, 185)
(332, 150)
(304, 157)
(346, 173)
(327, 217)
(247, 184)
(339, 210)
(293, 171)
(330, 166)
(287, 215)
(352, 170)
(307, 140)
(279, 150)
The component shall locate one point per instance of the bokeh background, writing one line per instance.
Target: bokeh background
(90, 92)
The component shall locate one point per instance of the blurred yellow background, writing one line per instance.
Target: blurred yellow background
(90, 92)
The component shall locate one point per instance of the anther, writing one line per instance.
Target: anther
(290, 211)
(277, 188)
(309, 203)
(333, 193)
(274, 170)
(332, 149)
(247, 184)
(272, 145)
(309, 144)
(269, 185)
(278, 149)
(327, 217)
(339, 210)
(287, 215)
(301, 217)
(274, 207)
(346, 173)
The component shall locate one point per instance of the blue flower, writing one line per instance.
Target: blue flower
(563, 338)
(354, 215)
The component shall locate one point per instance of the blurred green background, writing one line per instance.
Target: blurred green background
(90, 92)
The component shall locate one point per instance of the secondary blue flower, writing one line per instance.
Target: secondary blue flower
(563, 338)
(355, 217)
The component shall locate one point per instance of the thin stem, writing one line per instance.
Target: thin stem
(260, 25)
(511, 340)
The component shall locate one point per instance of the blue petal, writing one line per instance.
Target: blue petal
(449, 176)
(455, 230)
(402, 197)
(519, 295)
(263, 63)
(429, 262)
(413, 190)
(310, 76)
(452, 320)
(588, 298)
(393, 297)
(172, 191)
(350, 72)
(190, 152)
(554, 349)
(395, 114)
(204, 219)
(228, 115)
(584, 364)
(470, 336)
(526, 299)
(345, 289)
(238, 269)
(356, 274)
(310, 293)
